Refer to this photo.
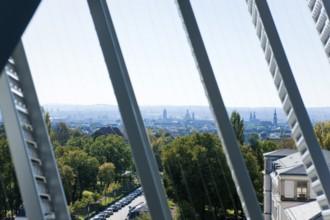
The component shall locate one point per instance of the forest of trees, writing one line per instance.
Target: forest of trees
(194, 169)
(89, 168)
(197, 177)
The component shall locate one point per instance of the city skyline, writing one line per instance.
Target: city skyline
(68, 67)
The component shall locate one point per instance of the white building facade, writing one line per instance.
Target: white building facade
(287, 186)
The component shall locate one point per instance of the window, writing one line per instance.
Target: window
(289, 189)
(302, 189)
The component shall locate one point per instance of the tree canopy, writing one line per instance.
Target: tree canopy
(238, 126)
(196, 172)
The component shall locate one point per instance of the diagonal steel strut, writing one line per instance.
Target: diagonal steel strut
(294, 108)
(234, 157)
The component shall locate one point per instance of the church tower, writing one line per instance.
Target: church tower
(165, 114)
(275, 119)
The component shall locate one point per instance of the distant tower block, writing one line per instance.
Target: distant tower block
(254, 115)
(250, 116)
(193, 116)
(275, 119)
(165, 114)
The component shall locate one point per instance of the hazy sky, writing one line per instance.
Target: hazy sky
(68, 66)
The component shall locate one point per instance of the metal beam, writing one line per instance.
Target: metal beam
(298, 119)
(144, 158)
(15, 15)
(326, 5)
(227, 136)
(32, 153)
(320, 10)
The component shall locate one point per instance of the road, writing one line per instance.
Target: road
(122, 213)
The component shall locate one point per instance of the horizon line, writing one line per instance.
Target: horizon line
(115, 105)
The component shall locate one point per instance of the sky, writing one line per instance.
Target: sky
(68, 66)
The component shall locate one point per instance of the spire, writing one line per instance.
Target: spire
(275, 119)
(187, 116)
(165, 114)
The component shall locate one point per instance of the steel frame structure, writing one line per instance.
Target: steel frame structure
(32, 153)
(320, 10)
(293, 106)
(12, 26)
(143, 156)
(226, 133)
(27, 153)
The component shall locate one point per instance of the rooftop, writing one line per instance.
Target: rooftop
(282, 152)
(293, 165)
(307, 211)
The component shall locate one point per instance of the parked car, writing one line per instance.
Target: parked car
(116, 207)
(102, 216)
(110, 209)
(99, 217)
(106, 213)
(137, 210)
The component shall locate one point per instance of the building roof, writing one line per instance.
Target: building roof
(289, 161)
(107, 131)
(293, 165)
(282, 152)
(295, 170)
(307, 211)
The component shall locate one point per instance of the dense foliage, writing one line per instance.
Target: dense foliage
(194, 168)
(196, 175)
(10, 198)
(85, 165)
(322, 131)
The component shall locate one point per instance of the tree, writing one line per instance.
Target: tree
(268, 146)
(49, 127)
(322, 132)
(255, 146)
(144, 216)
(238, 126)
(68, 180)
(85, 169)
(10, 198)
(253, 166)
(77, 139)
(158, 146)
(106, 173)
(62, 133)
(196, 172)
(286, 143)
(112, 149)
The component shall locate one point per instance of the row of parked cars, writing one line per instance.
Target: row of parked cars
(118, 205)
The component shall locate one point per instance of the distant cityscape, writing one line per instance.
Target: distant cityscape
(269, 123)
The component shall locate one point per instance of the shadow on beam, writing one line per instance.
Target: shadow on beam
(15, 15)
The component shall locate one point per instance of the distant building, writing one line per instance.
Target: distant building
(253, 119)
(165, 114)
(275, 119)
(187, 117)
(287, 188)
(107, 131)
